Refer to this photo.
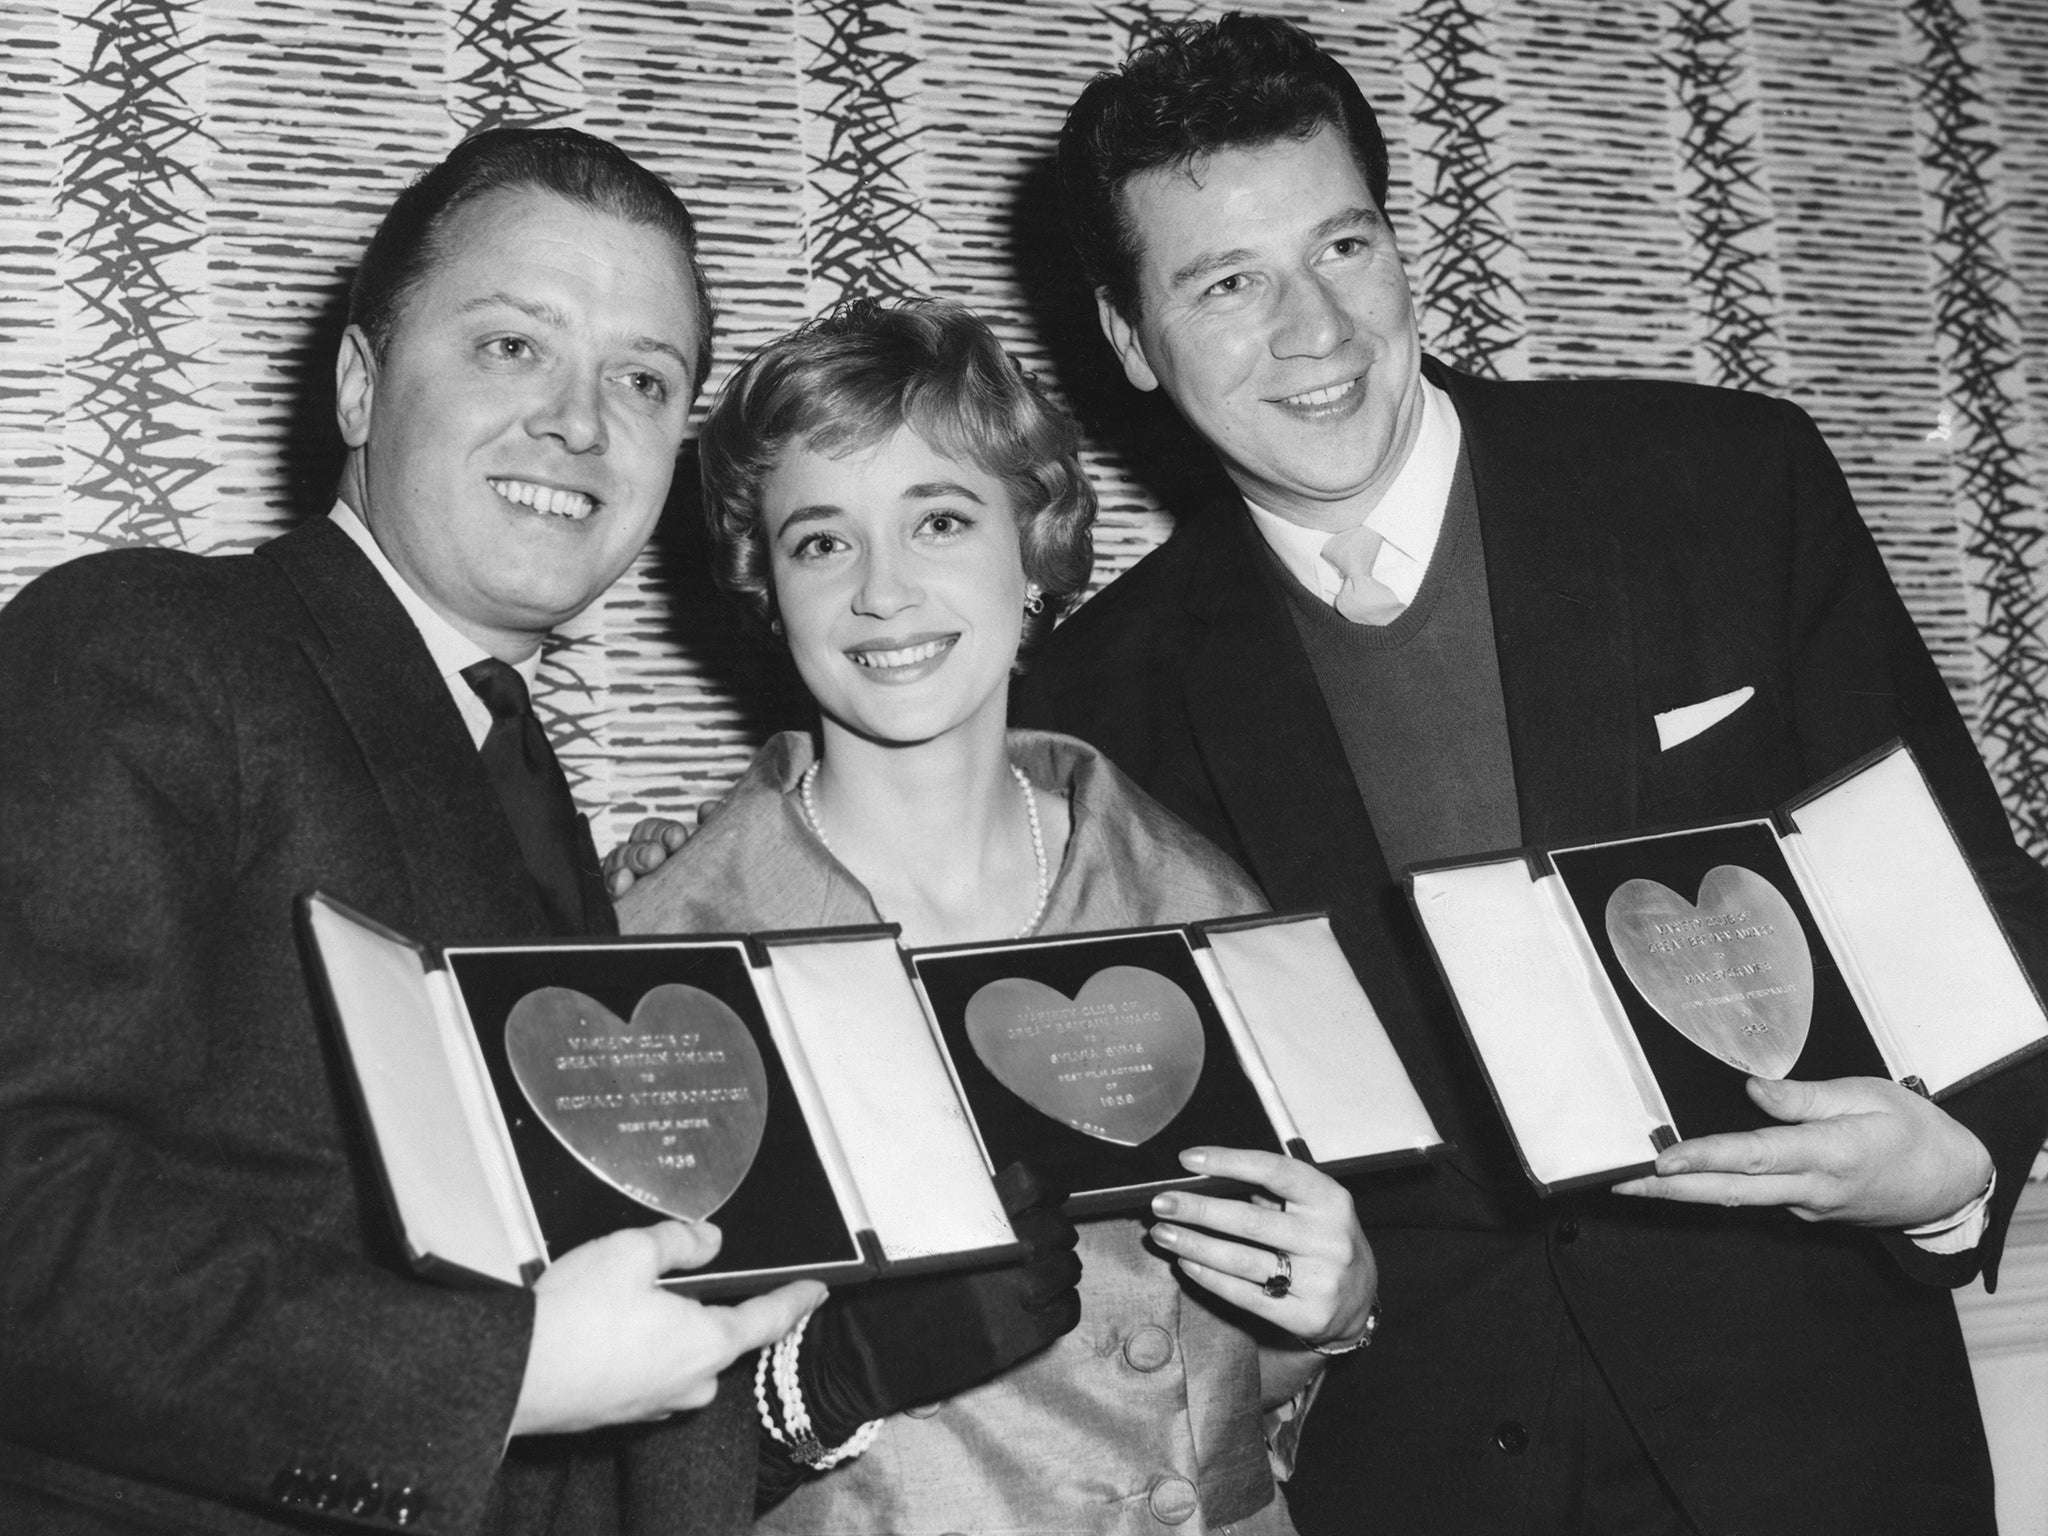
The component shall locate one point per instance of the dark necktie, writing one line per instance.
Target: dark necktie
(534, 793)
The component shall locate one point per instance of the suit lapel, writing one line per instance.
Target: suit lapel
(462, 863)
(1263, 729)
(1562, 629)
(1561, 621)
(599, 916)
(1278, 765)
(1266, 737)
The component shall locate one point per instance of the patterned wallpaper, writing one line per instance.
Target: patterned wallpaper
(1843, 201)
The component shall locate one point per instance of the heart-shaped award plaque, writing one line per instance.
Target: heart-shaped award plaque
(1733, 974)
(1117, 1062)
(668, 1108)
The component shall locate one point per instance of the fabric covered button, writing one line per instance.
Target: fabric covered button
(1512, 1437)
(1173, 1500)
(1568, 1230)
(362, 1498)
(325, 1491)
(406, 1506)
(290, 1487)
(1148, 1348)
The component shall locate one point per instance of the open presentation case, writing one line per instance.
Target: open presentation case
(1099, 1057)
(1619, 994)
(836, 1104)
(526, 1098)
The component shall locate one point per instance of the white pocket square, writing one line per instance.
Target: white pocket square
(1687, 721)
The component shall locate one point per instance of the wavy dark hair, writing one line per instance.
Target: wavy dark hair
(1199, 86)
(586, 170)
(848, 380)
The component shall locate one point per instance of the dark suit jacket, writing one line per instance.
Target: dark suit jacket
(206, 1322)
(1647, 546)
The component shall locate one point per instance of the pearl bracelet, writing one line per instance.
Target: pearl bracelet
(779, 1361)
(1372, 1326)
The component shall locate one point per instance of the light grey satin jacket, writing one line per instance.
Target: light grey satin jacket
(1146, 1417)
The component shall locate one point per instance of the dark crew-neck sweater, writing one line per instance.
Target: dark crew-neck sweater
(1417, 703)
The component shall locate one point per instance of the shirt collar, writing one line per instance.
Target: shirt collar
(451, 649)
(1409, 517)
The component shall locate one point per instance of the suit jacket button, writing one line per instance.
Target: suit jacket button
(362, 1498)
(405, 1506)
(289, 1487)
(1148, 1348)
(1173, 1500)
(1511, 1438)
(1568, 1230)
(326, 1491)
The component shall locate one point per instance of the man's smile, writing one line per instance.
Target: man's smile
(1329, 400)
(553, 501)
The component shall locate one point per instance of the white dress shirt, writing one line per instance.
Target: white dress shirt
(1409, 517)
(451, 649)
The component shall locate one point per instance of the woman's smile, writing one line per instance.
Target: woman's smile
(892, 660)
(899, 578)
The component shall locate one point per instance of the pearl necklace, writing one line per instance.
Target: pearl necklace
(807, 797)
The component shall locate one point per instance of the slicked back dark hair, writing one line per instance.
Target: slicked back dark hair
(1199, 86)
(591, 172)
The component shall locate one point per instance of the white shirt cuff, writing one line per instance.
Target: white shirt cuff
(1958, 1233)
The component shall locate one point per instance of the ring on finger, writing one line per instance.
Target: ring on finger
(1281, 1281)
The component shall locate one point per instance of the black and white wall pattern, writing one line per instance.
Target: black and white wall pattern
(1842, 201)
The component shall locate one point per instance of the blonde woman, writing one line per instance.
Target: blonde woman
(893, 498)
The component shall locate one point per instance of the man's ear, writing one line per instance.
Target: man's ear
(355, 386)
(1123, 339)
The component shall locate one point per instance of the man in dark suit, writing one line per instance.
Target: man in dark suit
(1447, 615)
(206, 1321)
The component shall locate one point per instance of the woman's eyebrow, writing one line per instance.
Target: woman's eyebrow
(815, 512)
(926, 490)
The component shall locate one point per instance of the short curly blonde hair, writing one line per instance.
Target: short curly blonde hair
(849, 380)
